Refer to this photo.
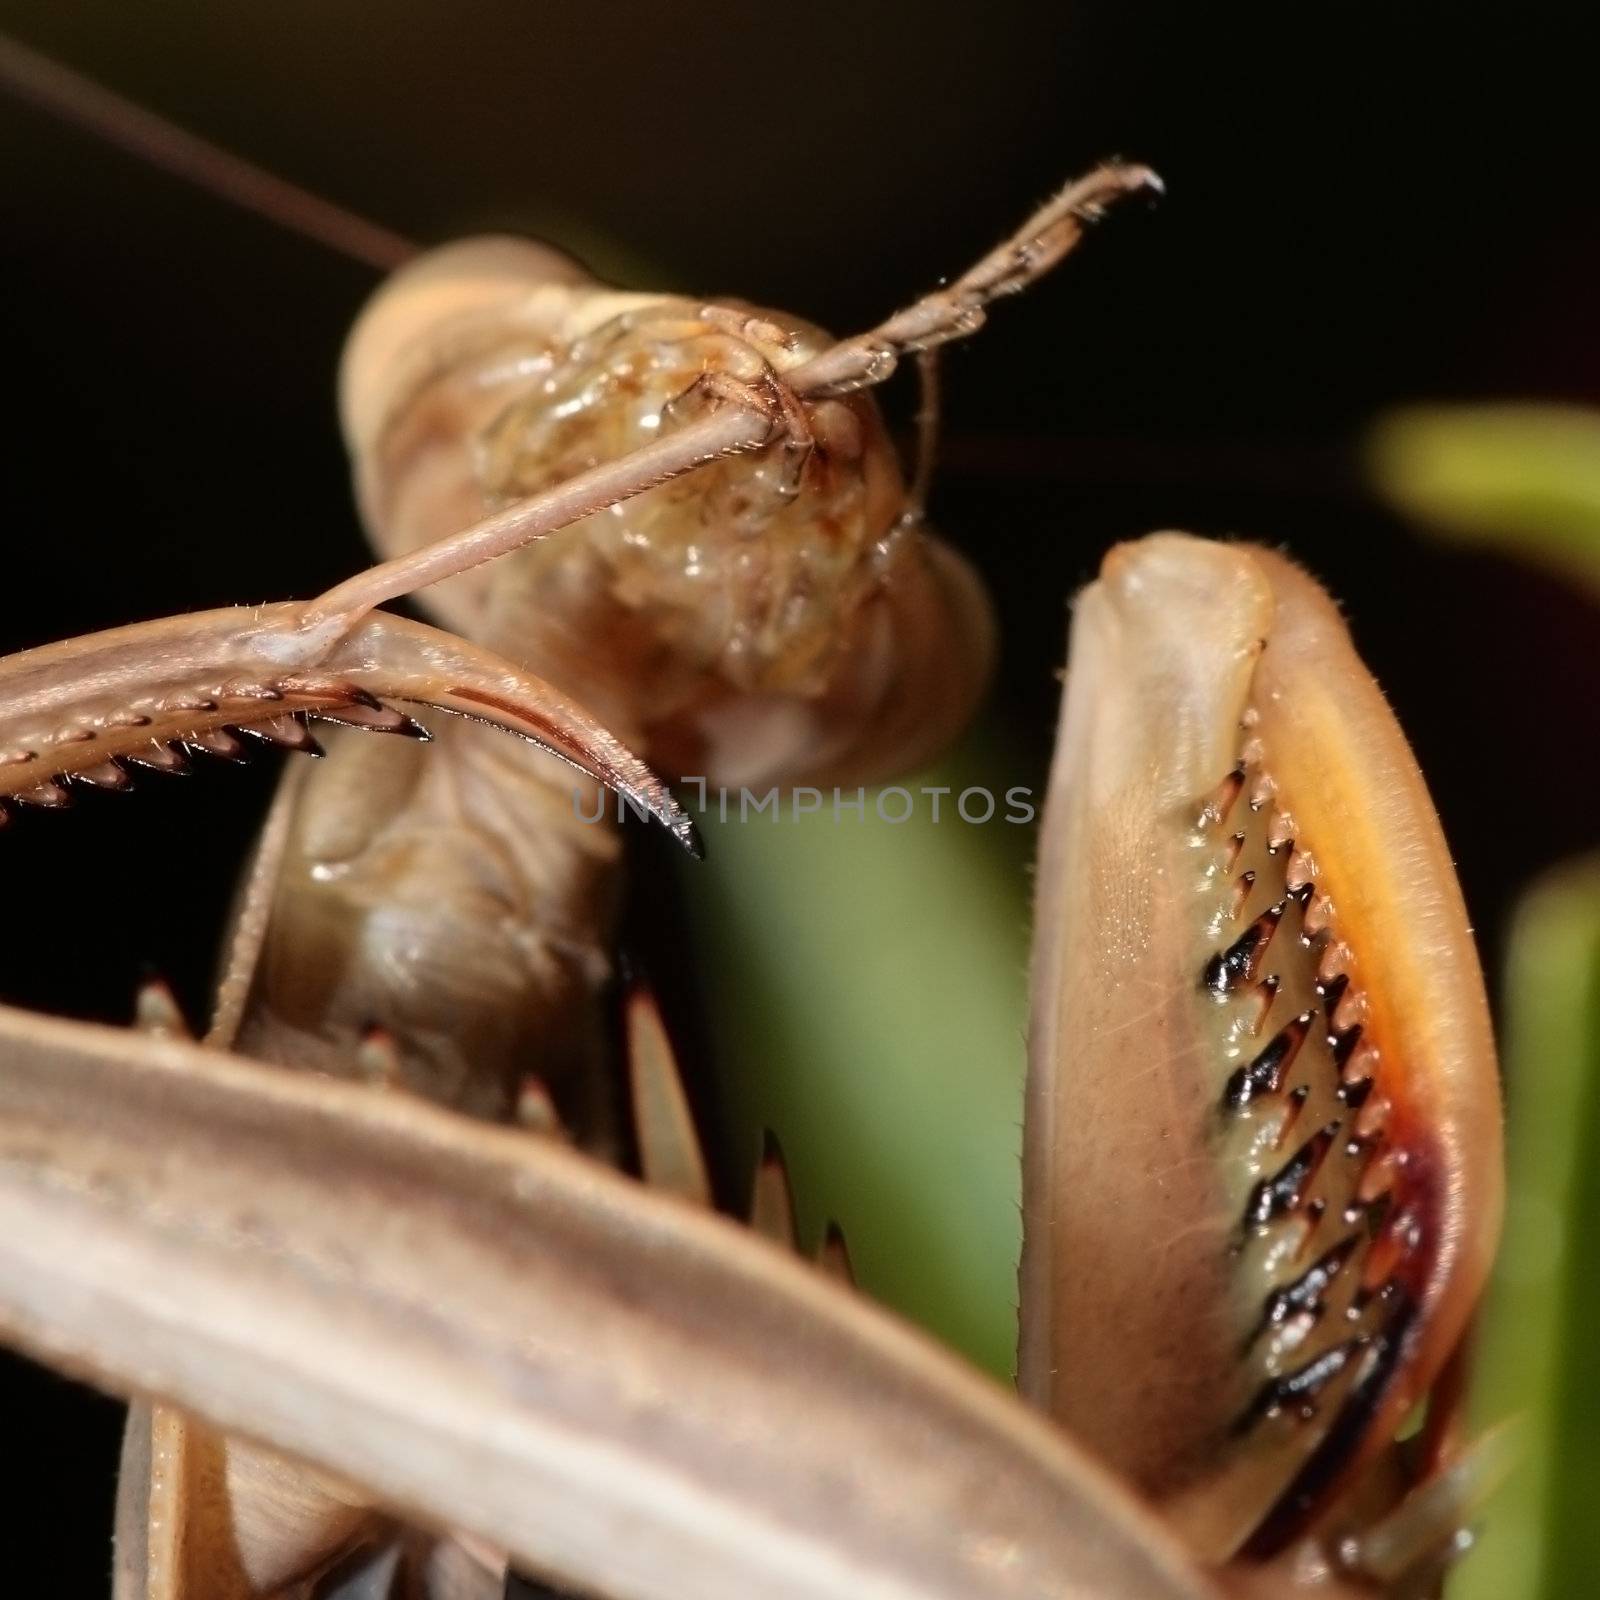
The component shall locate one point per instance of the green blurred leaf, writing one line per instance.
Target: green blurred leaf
(868, 993)
(1522, 476)
(1539, 1357)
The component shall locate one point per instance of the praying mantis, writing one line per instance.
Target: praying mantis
(1259, 1040)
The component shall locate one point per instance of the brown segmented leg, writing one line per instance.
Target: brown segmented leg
(617, 1388)
(68, 709)
(950, 313)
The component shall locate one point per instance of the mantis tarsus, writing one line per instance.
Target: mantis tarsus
(708, 1417)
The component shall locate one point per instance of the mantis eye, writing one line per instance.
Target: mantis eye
(1263, 1175)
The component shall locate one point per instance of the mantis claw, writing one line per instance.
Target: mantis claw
(70, 711)
(1261, 1046)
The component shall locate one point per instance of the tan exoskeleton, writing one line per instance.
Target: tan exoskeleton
(1262, 1165)
(636, 1397)
(776, 617)
(1250, 930)
(781, 617)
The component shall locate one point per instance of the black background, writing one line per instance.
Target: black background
(1367, 204)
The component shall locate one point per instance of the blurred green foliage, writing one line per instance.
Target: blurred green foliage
(1522, 477)
(1526, 479)
(868, 989)
(1538, 1359)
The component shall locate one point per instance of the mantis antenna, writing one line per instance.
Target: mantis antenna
(79, 101)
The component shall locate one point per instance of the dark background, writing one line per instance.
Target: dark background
(1368, 204)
